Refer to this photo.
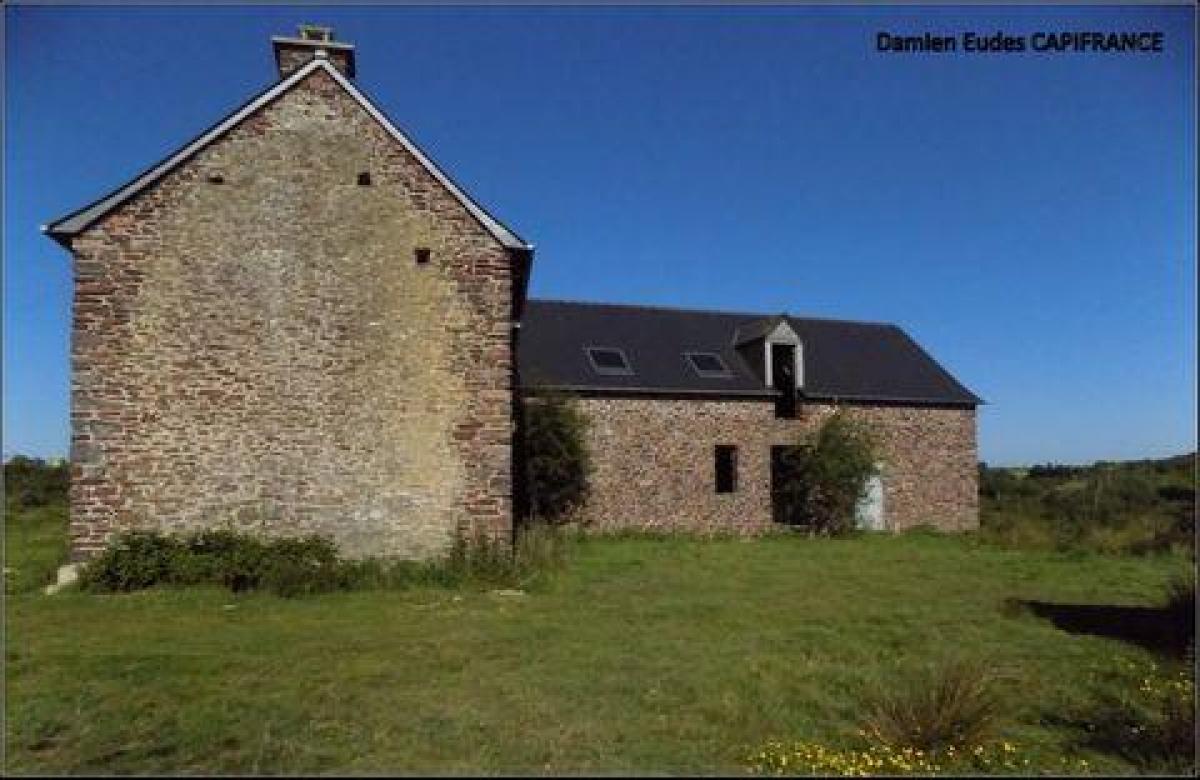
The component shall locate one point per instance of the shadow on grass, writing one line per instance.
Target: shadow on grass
(1163, 743)
(1161, 630)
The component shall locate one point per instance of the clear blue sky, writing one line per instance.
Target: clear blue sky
(1030, 219)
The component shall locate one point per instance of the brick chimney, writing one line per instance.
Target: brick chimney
(312, 41)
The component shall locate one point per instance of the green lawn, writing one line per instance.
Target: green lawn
(644, 655)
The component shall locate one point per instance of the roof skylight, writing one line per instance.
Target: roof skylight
(708, 364)
(609, 361)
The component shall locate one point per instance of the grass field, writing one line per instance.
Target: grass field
(643, 655)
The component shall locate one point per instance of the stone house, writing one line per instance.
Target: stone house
(298, 323)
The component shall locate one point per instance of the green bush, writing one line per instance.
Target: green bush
(303, 566)
(557, 462)
(298, 567)
(950, 705)
(826, 479)
(137, 560)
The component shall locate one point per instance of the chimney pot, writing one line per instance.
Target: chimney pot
(312, 41)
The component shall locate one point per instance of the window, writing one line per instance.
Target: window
(609, 361)
(421, 255)
(783, 376)
(708, 364)
(364, 179)
(726, 467)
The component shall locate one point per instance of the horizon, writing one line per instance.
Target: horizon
(1005, 222)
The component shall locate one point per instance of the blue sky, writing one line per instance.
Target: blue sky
(1029, 218)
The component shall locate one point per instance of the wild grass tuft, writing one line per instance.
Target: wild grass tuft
(951, 704)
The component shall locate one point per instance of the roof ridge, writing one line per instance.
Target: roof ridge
(726, 312)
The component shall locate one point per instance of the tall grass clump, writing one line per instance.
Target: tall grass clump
(537, 552)
(951, 705)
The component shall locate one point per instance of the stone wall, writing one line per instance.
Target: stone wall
(654, 462)
(253, 344)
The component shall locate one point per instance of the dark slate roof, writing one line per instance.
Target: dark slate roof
(846, 360)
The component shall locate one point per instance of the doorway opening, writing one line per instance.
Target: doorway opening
(787, 489)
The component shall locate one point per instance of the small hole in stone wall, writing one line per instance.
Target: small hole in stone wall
(216, 178)
(364, 179)
(422, 255)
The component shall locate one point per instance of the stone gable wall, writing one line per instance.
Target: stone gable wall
(653, 462)
(265, 352)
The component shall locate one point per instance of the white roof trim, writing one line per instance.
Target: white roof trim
(76, 222)
(338, 45)
(783, 334)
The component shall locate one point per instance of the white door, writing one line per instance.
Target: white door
(869, 513)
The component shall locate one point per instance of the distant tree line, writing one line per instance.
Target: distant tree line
(30, 482)
(1150, 504)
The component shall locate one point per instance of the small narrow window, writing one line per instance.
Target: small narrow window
(609, 361)
(364, 179)
(216, 178)
(422, 255)
(708, 364)
(726, 467)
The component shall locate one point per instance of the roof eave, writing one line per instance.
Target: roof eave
(755, 394)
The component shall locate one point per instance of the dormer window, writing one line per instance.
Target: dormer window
(708, 365)
(609, 361)
(784, 367)
(773, 351)
(784, 358)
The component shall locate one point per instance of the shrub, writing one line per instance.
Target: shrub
(136, 560)
(825, 480)
(303, 566)
(557, 462)
(298, 567)
(951, 705)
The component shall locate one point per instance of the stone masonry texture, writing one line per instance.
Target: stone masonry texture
(291, 59)
(253, 345)
(653, 462)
